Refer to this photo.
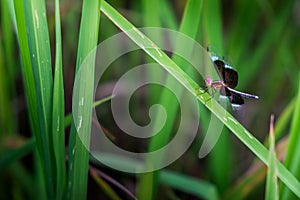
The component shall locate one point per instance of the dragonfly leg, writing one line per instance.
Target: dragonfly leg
(212, 94)
(204, 88)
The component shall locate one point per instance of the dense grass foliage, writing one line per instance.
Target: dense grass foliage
(42, 47)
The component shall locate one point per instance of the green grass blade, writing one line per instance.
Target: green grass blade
(213, 37)
(8, 43)
(150, 12)
(149, 182)
(199, 188)
(7, 72)
(69, 117)
(103, 185)
(58, 112)
(237, 129)
(78, 154)
(284, 119)
(35, 49)
(150, 15)
(27, 71)
(248, 14)
(270, 35)
(292, 160)
(39, 46)
(23, 178)
(249, 181)
(213, 33)
(294, 137)
(13, 155)
(181, 182)
(272, 185)
(4, 98)
(40, 184)
(101, 101)
(167, 15)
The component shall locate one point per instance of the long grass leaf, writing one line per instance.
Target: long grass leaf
(256, 173)
(213, 33)
(213, 37)
(151, 11)
(58, 112)
(35, 49)
(39, 46)
(272, 185)
(7, 73)
(14, 154)
(270, 35)
(78, 154)
(200, 188)
(292, 160)
(103, 185)
(27, 71)
(4, 97)
(167, 15)
(69, 117)
(248, 13)
(191, 15)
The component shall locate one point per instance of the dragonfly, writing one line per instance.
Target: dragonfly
(228, 81)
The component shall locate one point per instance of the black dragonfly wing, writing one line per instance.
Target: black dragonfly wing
(225, 92)
(228, 75)
(236, 98)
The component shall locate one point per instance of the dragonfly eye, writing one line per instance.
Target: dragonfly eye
(208, 81)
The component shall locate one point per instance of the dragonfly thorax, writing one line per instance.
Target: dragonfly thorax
(214, 84)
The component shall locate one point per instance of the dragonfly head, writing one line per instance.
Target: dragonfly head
(208, 81)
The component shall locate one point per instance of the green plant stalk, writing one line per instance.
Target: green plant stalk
(28, 146)
(78, 154)
(8, 123)
(104, 186)
(221, 154)
(249, 181)
(13, 155)
(8, 43)
(284, 119)
(4, 97)
(146, 188)
(150, 16)
(271, 35)
(188, 184)
(35, 50)
(39, 47)
(292, 160)
(167, 16)
(272, 185)
(58, 115)
(280, 58)
(149, 182)
(248, 12)
(213, 25)
(68, 118)
(40, 183)
(237, 129)
(27, 70)
(23, 179)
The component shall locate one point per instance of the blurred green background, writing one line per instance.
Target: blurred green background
(259, 38)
